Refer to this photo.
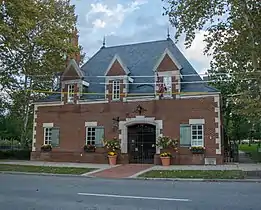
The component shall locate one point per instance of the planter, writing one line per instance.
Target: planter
(89, 150)
(197, 151)
(165, 161)
(112, 159)
(46, 150)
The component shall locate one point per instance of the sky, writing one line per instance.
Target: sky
(130, 21)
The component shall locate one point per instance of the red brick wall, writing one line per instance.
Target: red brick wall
(71, 119)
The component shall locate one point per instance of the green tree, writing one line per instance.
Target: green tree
(233, 39)
(35, 37)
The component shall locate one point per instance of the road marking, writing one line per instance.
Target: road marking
(134, 197)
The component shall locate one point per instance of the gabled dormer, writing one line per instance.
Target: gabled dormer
(72, 83)
(117, 80)
(167, 75)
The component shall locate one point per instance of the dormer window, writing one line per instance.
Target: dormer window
(116, 90)
(167, 82)
(70, 98)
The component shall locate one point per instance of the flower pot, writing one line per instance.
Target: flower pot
(165, 161)
(112, 159)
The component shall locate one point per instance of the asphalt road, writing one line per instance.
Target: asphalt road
(29, 192)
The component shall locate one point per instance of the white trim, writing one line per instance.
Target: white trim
(92, 102)
(34, 129)
(116, 90)
(48, 125)
(203, 139)
(108, 78)
(174, 60)
(51, 103)
(196, 121)
(218, 129)
(73, 64)
(140, 98)
(117, 57)
(76, 81)
(202, 95)
(91, 124)
(123, 128)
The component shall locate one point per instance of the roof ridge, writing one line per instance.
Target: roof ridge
(138, 43)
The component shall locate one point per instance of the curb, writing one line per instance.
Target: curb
(135, 178)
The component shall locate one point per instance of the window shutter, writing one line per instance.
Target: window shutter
(55, 137)
(99, 135)
(185, 135)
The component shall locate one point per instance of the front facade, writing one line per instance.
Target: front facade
(135, 93)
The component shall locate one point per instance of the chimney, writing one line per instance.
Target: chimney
(74, 41)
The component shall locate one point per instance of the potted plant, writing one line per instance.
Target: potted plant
(166, 142)
(165, 158)
(89, 148)
(197, 149)
(112, 145)
(46, 148)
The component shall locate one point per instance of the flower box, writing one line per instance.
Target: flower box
(46, 148)
(89, 148)
(197, 149)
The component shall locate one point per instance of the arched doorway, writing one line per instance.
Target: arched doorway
(141, 143)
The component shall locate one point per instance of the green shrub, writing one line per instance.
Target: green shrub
(15, 154)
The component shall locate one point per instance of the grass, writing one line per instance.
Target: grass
(44, 169)
(195, 174)
(251, 150)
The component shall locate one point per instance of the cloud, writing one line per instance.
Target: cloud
(195, 52)
(102, 15)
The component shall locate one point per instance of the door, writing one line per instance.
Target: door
(141, 143)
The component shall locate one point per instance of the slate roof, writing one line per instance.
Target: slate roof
(140, 59)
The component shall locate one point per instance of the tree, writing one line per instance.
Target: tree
(35, 37)
(233, 39)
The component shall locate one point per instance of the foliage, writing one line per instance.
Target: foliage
(35, 37)
(112, 145)
(197, 149)
(166, 142)
(232, 37)
(46, 148)
(89, 147)
(15, 154)
(165, 154)
(112, 153)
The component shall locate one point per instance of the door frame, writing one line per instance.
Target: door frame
(123, 130)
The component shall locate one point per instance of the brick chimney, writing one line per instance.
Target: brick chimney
(74, 41)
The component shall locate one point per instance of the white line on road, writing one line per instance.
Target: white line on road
(134, 197)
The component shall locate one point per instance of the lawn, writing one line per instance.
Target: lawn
(251, 150)
(44, 169)
(195, 174)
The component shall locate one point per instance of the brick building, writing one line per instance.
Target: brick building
(116, 93)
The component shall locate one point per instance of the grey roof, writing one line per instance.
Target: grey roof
(140, 59)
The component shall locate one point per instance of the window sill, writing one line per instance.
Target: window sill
(116, 100)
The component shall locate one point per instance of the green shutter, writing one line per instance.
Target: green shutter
(99, 135)
(185, 135)
(55, 137)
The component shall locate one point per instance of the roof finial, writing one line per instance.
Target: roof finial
(168, 34)
(104, 42)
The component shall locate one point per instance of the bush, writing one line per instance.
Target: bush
(15, 154)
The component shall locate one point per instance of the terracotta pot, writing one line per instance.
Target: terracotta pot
(165, 161)
(112, 159)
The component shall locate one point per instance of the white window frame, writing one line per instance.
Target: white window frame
(47, 135)
(197, 141)
(116, 90)
(70, 96)
(91, 139)
(167, 82)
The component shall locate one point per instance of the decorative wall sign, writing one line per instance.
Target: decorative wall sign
(140, 110)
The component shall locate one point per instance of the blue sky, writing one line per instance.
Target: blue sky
(130, 21)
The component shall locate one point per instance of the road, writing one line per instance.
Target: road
(31, 192)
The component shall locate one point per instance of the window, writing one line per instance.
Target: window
(70, 93)
(197, 135)
(167, 82)
(94, 135)
(52, 136)
(185, 135)
(116, 90)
